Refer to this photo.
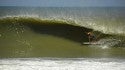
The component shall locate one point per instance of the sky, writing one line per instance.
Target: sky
(63, 3)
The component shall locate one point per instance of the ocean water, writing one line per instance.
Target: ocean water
(50, 38)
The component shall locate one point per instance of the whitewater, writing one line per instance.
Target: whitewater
(62, 64)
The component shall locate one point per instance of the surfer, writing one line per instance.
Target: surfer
(91, 37)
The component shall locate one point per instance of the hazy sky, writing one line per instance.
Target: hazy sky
(62, 3)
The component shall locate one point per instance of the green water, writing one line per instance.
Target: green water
(41, 45)
(49, 40)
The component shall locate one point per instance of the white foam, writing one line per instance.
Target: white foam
(61, 64)
(107, 43)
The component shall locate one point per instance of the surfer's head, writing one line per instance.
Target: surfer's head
(89, 33)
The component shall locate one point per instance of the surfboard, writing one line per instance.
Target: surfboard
(92, 43)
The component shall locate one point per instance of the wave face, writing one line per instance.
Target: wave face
(42, 32)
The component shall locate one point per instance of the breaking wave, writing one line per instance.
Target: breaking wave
(113, 26)
(109, 37)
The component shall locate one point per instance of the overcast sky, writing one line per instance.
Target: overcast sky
(63, 3)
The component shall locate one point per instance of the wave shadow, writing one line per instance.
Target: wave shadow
(74, 33)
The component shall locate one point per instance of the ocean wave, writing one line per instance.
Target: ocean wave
(103, 25)
(36, 22)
